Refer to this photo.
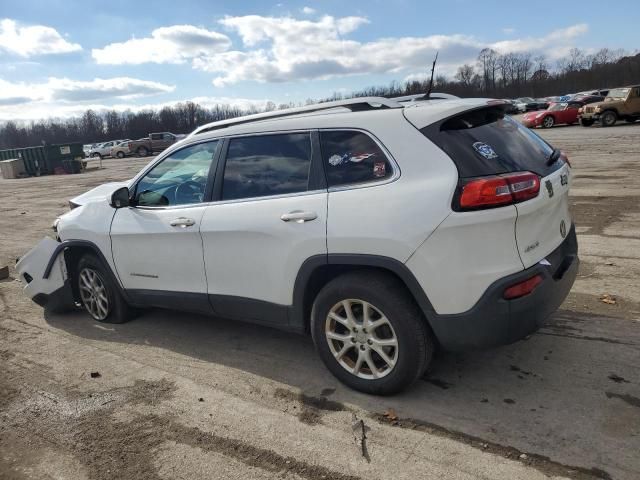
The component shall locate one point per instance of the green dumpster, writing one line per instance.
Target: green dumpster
(48, 159)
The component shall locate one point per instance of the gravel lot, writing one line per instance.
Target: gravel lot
(184, 396)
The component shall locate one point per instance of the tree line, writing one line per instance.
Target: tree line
(494, 75)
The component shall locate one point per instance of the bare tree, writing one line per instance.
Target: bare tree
(465, 74)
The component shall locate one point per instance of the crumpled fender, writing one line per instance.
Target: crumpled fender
(44, 278)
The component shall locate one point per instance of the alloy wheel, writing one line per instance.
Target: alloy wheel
(548, 122)
(361, 339)
(93, 293)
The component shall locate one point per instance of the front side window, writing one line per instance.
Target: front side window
(265, 165)
(179, 179)
(352, 157)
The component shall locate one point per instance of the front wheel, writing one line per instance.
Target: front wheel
(586, 122)
(97, 156)
(548, 121)
(98, 293)
(120, 154)
(609, 118)
(370, 333)
(142, 152)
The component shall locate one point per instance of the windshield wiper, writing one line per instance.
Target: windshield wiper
(553, 158)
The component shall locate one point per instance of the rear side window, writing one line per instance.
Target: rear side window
(352, 157)
(267, 165)
(488, 142)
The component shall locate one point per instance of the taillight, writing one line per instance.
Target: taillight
(523, 288)
(498, 190)
(564, 157)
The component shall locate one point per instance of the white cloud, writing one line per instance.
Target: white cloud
(280, 49)
(21, 100)
(174, 44)
(308, 10)
(47, 109)
(120, 87)
(29, 40)
(554, 44)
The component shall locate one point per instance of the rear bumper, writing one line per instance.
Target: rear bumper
(495, 321)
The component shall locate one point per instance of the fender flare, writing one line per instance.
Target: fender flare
(392, 265)
(91, 246)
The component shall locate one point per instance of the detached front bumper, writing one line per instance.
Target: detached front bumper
(43, 271)
(495, 321)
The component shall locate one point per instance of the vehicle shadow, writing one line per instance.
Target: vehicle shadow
(565, 392)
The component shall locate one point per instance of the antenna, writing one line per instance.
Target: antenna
(433, 68)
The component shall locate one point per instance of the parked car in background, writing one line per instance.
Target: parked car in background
(292, 232)
(154, 143)
(511, 107)
(87, 149)
(101, 150)
(586, 98)
(557, 113)
(121, 149)
(530, 104)
(619, 104)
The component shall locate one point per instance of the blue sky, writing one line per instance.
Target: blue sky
(60, 57)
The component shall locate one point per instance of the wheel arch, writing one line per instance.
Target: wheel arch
(610, 109)
(319, 270)
(73, 251)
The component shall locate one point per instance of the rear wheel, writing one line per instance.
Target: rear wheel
(370, 333)
(586, 122)
(98, 293)
(142, 151)
(608, 118)
(548, 121)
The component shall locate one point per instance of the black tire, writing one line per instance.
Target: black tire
(120, 154)
(586, 122)
(142, 151)
(97, 155)
(118, 310)
(608, 118)
(548, 121)
(415, 345)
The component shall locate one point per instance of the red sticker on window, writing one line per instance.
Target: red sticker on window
(379, 169)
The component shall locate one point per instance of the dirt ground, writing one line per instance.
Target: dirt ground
(174, 395)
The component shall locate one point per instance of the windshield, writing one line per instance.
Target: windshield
(557, 107)
(525, 100)
(618, 93)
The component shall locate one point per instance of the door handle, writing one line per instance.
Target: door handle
(182, 222)
(298, 216)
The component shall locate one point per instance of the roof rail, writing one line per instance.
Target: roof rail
(354, 104)
(421, 96)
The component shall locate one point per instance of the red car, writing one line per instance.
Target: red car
(564, 112)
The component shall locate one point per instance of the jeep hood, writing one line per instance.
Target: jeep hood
(96, 194)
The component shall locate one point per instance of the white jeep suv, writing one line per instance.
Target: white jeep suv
(384, 228)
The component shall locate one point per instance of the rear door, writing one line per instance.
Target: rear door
(485, 142)
(270, 215)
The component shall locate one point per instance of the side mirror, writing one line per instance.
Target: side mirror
(120, 198)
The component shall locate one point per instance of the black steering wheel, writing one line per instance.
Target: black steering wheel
(189, 192)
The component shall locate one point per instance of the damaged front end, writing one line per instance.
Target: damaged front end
(43, 271)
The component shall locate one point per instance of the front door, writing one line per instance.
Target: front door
(156, 243)
(270, 216)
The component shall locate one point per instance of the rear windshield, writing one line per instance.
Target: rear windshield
(487, 142)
